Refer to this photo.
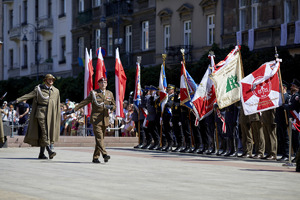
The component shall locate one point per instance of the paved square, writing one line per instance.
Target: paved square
(137, 174)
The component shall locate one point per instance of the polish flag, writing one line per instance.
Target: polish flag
(162, 88)
(100, 69)
(120, 82)
(88, 80)
(137, 91)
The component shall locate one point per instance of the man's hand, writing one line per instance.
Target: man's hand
(108, 107)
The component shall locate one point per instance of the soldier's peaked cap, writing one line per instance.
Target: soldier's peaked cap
(102, 79)
(49, 76)
(296, 82)
(171, 86)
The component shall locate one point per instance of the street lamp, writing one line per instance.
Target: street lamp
(36, 42)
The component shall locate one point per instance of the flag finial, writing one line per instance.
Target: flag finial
(139, 59)
(211, 53)
(277, 56)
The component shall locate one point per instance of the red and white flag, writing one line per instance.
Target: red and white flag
(120, 82)
(100, 69)
(260, 90)
(205, 95)
(88, 79)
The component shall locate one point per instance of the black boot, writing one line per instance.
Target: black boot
(197, 149)
(138, 146)
(169, 148)
(42, 155)
(235, 148)
(51, 153)
(188, 149)
(178, 148)
(226, 147)
(147, 146)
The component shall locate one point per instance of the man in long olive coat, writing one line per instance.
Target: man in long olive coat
(44, 124)
(102, 102)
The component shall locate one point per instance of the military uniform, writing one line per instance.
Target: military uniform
(186, 129)
(44, 125)
(2, 139)
(176, 121)
(221, 134)
(282, 133)
(269, 129)
(258, 135)
(152, 128)
(231, 116)
(210, 129)
(167, 122)
(247, 136)
(159, 127)
(99, 117)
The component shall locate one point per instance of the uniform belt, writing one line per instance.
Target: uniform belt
(43, 105)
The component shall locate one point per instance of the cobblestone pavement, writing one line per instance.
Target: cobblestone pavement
(137, 174)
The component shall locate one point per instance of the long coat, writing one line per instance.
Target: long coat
(99, 114)
(1, 130)
(52, 114)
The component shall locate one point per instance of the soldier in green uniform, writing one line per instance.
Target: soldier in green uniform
(269, 130)
(102, 102)
(44, 125)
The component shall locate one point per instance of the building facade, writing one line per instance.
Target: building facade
(37, 38)
(262, 23)
(190, 25)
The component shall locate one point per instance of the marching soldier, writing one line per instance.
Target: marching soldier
(231, 116)
(44, 125)
(103, 102)
(293, 106)
(158, 125)
(282, 133)
(167, 118)
(145, 103)
(269, 129)
(176, 120)
(186, 129)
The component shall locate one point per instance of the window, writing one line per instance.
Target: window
(25, 11)
(298, 9)
(11, 58)
(110, 41)
(98, 39)
(210, 29)
(81, 47)
(49, 49)
(97, 3)
(81, 6)
(36, 9)
(145, 35)
(254, 13)
(128, 32)
(11, 18)
(62, 8)
(25, 61)
(187, 33)
(287, 11)
(62, 50)
(242, 14)
(49, 8)
(166, 37)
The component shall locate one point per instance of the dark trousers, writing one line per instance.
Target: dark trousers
(283, 139)
(295, 140)
(168, 130)
(186, 130)
(142, 131)
(152, 133)
(177, 127)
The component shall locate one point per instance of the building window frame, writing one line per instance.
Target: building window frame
(187, 32)
(167, 37)
(11, 18)
(97, 3)
(287, 11)
(81, 6)
(81, 47)
(49, 50)
(97, 39)
(145, 35)
(210, 29)
(128, 38)
(62, 50)
(242, 14)
(25, 11)
(254, 13)
(11, 58)
(25, 57)
(110, 41)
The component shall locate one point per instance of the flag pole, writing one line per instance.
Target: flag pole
(192, 135)
(138, 60)
(216, 139)
(164, 56)
(285, 114)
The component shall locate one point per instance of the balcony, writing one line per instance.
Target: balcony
(8, 1)
(174, 53)
(44, 68)
(125, 8)
(45, 24)
(15, 33)
(14, 71)
(85, 17)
